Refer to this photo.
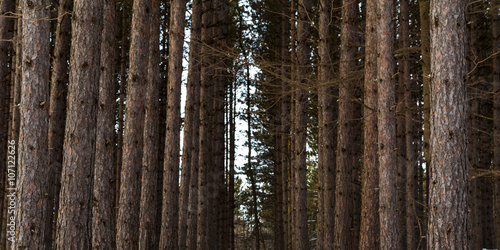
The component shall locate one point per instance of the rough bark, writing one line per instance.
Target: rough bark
(301, 239)
(448, 196)
(103, 204)
(74, 218)
(389, 222)
(327, 132)
(205, 137)
(130, 177)
(496, 115)
(370, 227)
(34, 217)
(191, 139)
(346, 147)
(149, 216)
(170, 212)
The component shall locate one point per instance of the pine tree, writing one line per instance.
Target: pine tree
(449, 167)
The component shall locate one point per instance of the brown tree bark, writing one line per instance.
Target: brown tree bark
(496, 115)
(370, 227)
(74, 218)
(389, 228)
(58, 93)
(34, 216)
(327, 133)
(347, 131)
(130, 180)
(448, 196)
(205, 139)
(149, 217)
(191, 139)
(170, 212)
(301, 239)
(103, 205)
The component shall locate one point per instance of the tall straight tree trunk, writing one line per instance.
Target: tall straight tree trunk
(130, 179)
(74, 218)
(370, 227)
(58, 93)
(191, 136)
(389, 228)
(301, 240)
(327, 133)
(346, 147)
(205, 137)
(149, 216)
(34, 218)
(448, 199)
(496, 115)
(103, 207)
(232, 149)
(170, 214)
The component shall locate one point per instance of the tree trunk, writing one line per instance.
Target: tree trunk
(496, 115)
(301, 240)
(170, 216)
(130, 181)
(327, 133)
(149, 216)
(74, 219)
(448, 196)
(103, 207)
(346, 147)
(191, 136)
(34, 218)
(205, 142)
(389, 222)
(370, 227)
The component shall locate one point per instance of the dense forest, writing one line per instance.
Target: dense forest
(249, 124)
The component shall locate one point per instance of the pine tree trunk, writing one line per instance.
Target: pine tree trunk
(389, 222)
(191, 136)
(301, 240)
(205, 142)
(449, 167)
(346, 147)
(370, 227)
(74, 222)
(170, 216)
(130, 180)
(496, 116)
(34, 218)
(103, 207)
(232, 149)
(149, 216)
(327, 133)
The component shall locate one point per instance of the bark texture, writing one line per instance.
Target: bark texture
(301, 239)
(347, 132)
(36, 194)
(170, 212)
(389, 223)
(496, 115)
(447, 227)
(130, 179)
(74, 218)
(370, 227)
(103, 204)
